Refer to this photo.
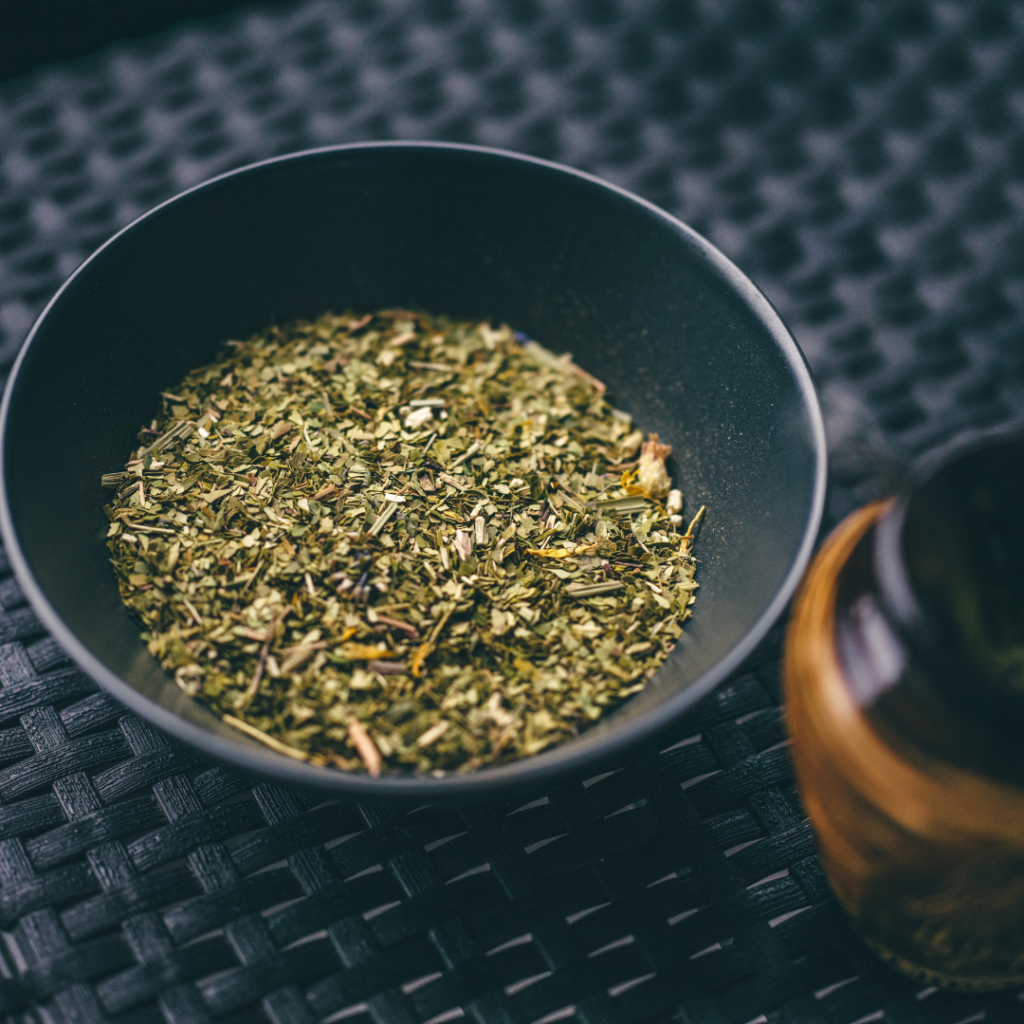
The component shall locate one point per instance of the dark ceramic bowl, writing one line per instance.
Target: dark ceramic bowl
(685, 342)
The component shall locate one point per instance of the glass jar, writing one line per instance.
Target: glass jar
(904, 676)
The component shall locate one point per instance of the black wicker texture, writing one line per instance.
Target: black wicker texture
(864, 161)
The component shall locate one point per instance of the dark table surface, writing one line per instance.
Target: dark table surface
(863, 160)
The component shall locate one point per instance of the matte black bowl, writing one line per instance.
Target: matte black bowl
(685, 342)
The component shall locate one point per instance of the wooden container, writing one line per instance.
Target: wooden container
(917, 803)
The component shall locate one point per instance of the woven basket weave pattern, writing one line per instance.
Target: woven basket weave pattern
(864, 161)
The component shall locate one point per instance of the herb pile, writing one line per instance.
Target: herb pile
(397, 541)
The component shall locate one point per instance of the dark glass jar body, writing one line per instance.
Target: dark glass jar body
(905, 698)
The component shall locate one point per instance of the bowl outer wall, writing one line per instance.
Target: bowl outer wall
(603, 242)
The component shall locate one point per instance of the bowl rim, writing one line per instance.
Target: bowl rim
(537, 770)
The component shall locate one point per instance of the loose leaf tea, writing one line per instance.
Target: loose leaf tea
(400, 541)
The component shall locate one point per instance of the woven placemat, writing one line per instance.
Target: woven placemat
(864, 161)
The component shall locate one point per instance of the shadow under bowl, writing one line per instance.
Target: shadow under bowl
(684, 341)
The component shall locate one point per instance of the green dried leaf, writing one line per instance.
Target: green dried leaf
(397, 541)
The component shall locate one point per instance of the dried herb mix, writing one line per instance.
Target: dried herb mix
(398, 541)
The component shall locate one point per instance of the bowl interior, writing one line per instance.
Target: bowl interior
(683, 341)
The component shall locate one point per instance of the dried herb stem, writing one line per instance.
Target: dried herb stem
(393, 541)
